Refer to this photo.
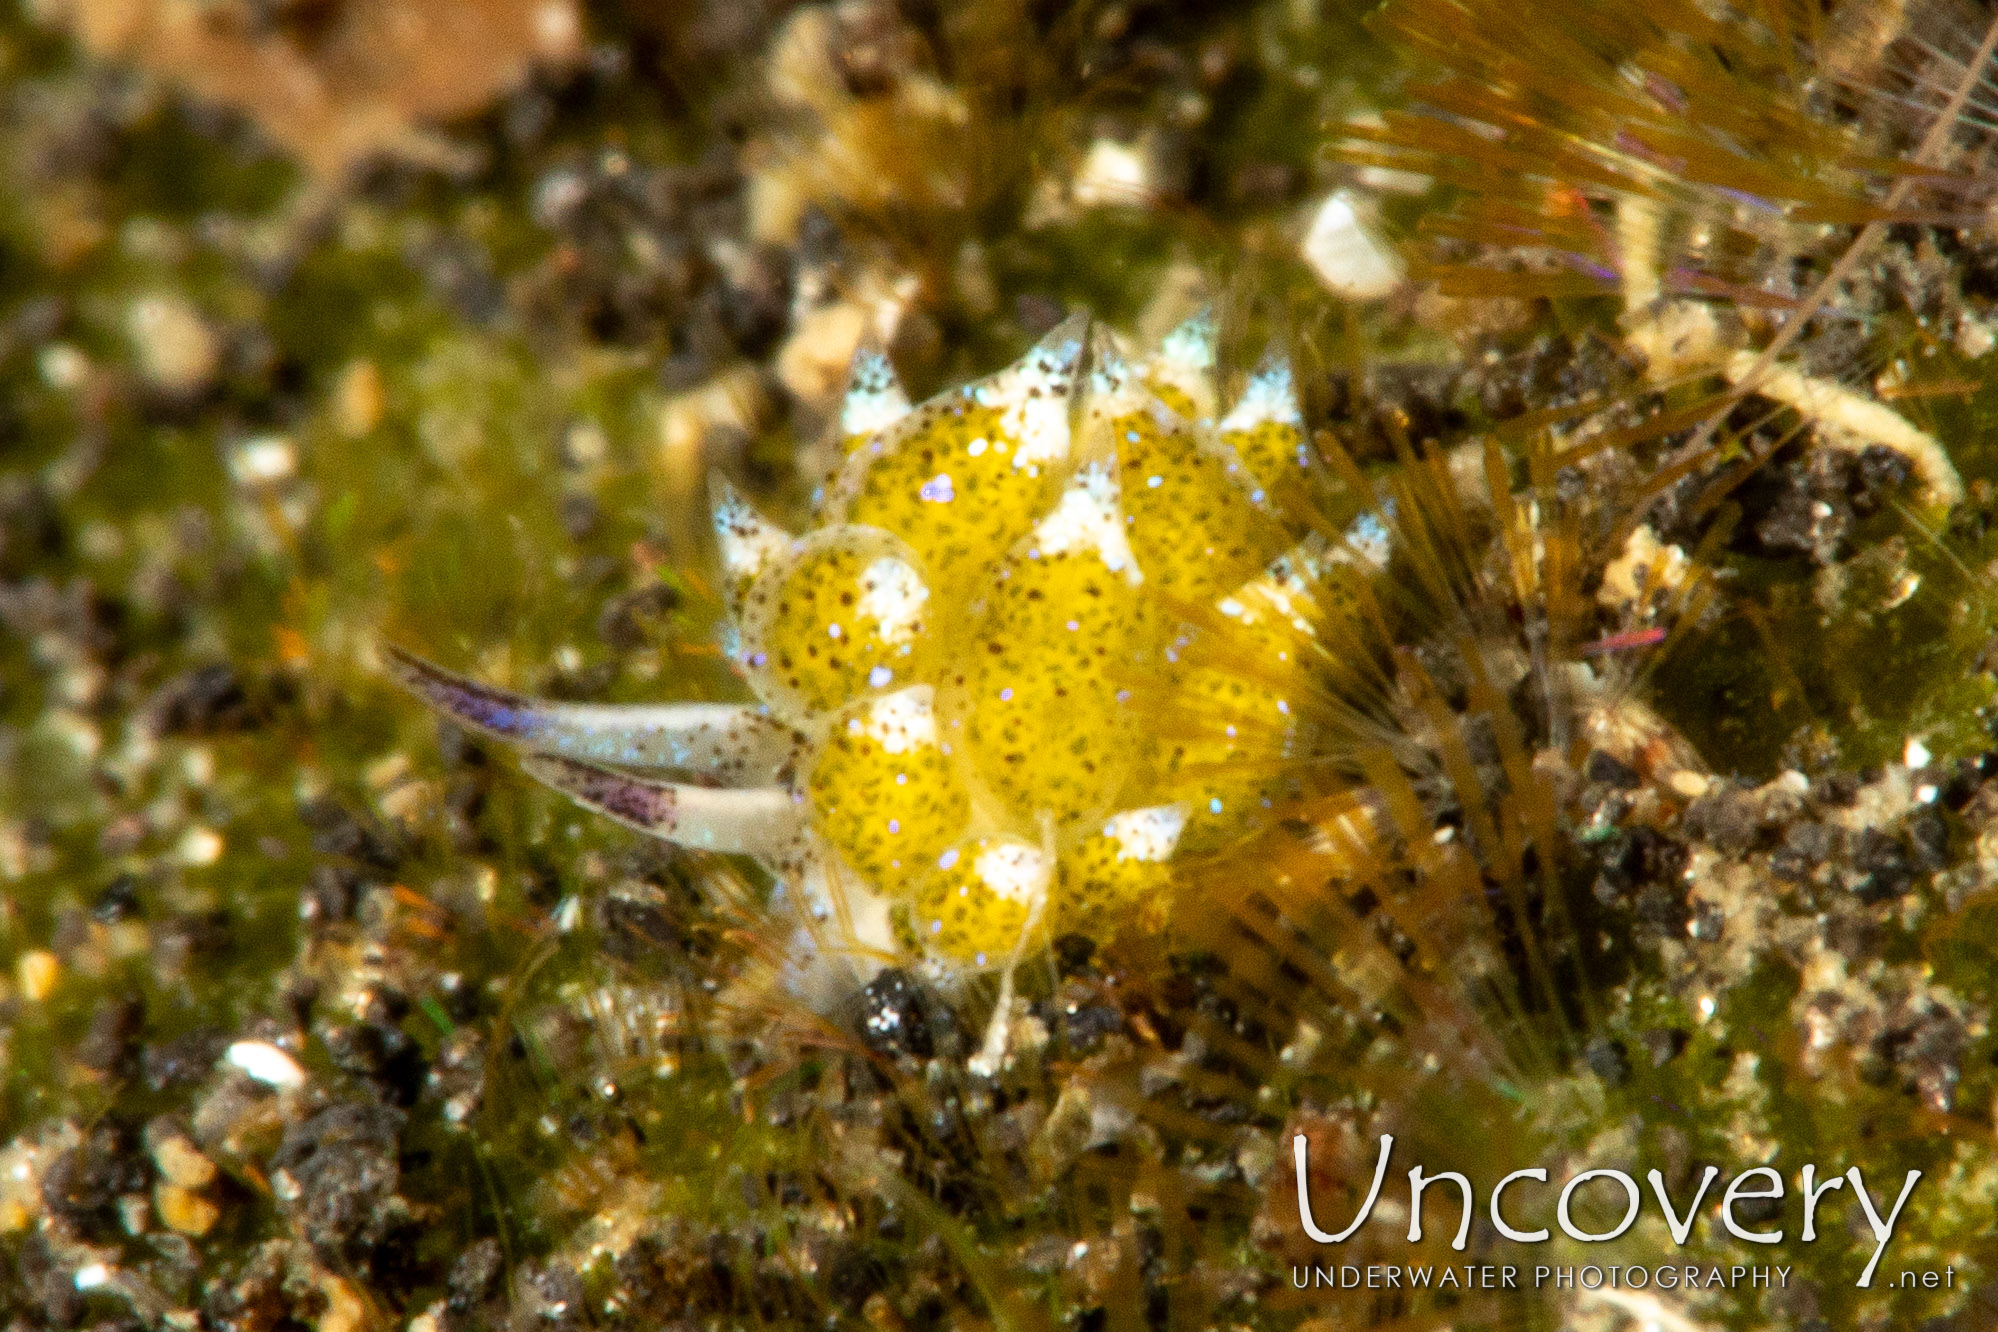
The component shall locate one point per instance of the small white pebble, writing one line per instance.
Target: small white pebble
(585, 444)
(1688, 783)
(556, 28)
(101, 541)
(62, 366)
(1916, 754)
(181, 1163)
(93, 1276)
(36, 971)
(199, 847)
(1974, 337)
(267, 1064)
(176, 349)
(386, 771)
(263, 461)
(77, 732)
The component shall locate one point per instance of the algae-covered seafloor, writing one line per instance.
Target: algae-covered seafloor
(1588, 768)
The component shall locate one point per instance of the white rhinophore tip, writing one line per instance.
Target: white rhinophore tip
(1185, 361)
(1111, 377)
(749, 541)
(1190, 347)
(1033, 394)
(1270, 397)
(875, 398)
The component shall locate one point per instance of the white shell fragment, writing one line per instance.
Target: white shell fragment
(1346, 255)
(1112, 174)
(263, 1062)
(176, 349)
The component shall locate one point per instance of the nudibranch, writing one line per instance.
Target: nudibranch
(947, 753)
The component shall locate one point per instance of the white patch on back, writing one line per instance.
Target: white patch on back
(904, 720)
(1014, 870)
(1146, 834)
(894, 598)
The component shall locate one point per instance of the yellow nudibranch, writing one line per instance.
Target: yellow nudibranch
(948, 752)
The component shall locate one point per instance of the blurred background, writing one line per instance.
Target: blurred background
(325, 323)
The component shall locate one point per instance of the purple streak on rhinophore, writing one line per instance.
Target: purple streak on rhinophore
(734, 744)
